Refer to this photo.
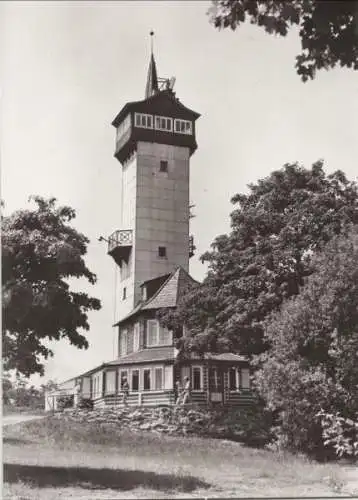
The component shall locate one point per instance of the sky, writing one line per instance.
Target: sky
(66, 70)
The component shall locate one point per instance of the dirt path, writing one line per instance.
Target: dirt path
(17, 418)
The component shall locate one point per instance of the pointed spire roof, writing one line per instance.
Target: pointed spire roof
(151, 87)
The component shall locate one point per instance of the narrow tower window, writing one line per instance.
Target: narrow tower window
(124, 293)
(162, 252)
(163, 166)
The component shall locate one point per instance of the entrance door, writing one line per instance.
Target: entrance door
(216, 384)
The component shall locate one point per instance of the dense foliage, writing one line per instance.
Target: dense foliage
(312, 364)
(328, 30)
(17, 393)
(40, 252)
(340, 433)
(275, 229)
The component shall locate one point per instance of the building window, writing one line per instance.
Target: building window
(158, 379)
(158, 335)
(110, 382)
(136, 333)
(163, 123)
(152, 332)
(123, 376)
(245, 378)
(162, 252)
(197, 378)
(124, 293)
(123, 343)
(123, 127)
(168, 377)
(143, 121)
(135, 380)
(215, 379)
(183, 127)
(163, 166)
(234, 379)
(165, 336)
(146, 379)
(144, 292)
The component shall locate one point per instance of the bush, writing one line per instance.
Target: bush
(65, 401)
(85, 403)
(312, 361)
(340, 433)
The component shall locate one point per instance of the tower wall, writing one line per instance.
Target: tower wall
(156, 207)
(128, 219)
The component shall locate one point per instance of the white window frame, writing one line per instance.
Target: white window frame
(136, 337)
(138, 120)
(164, 129)
(201, 378)
(186, 131)
(216, 378)
(237, 378)
(249, 379)
(112, 391)
(155, 378)
(131, 379)
(170, 334)
(123, 127)
(148, 329)
(122, 370)
(123, 334)
(168, 377)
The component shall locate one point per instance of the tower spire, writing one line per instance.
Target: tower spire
(151, 87)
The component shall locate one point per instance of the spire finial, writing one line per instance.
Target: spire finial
(152, 78)
(151, 41)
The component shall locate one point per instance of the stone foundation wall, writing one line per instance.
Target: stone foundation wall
(239, 424)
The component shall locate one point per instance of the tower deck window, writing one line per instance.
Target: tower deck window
(183, 127)
(164, 123)
(143, 121)
(163, 166)
(162, 252)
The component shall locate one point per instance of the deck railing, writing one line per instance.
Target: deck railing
(120, 238)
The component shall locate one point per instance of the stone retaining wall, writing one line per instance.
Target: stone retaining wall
(173, 420)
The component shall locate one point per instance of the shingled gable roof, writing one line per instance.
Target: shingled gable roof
(170, 292)
(167, 295)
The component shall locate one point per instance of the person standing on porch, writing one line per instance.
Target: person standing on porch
(125, 391)
(186, 392)
(178, 392)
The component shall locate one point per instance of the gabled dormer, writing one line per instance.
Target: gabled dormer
(141, 330)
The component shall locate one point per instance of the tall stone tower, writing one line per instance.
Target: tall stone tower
(155, 139)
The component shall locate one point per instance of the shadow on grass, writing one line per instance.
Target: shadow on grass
(39, 476)
(12, 440)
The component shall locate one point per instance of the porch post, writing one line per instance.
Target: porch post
(207, 382)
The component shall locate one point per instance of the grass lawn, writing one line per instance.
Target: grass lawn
(56, 459)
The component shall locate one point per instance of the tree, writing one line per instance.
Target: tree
(328, 30)
(275, 229)
(40, 252)
(312, 364)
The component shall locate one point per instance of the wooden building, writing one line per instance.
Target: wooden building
(155, 139)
